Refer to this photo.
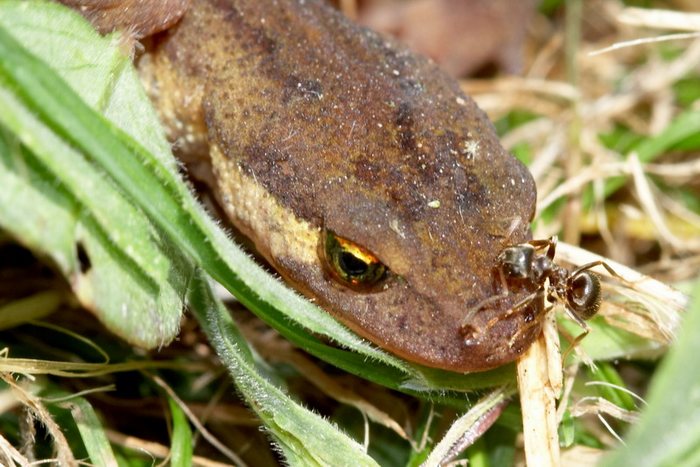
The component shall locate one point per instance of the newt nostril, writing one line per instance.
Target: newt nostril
(469, 333)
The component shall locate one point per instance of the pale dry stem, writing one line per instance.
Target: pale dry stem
(156, 450)
(9, 455)
(538, 395)
(659, 19)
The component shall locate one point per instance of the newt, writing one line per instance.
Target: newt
(359, 169)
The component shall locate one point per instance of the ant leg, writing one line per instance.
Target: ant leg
(527, 326)
(481, 305)
(550, 244)
(525, 301)
(492, 322)
(542, 243)
(487, 301)
(552, 247)
(593, 264)
(578, 320)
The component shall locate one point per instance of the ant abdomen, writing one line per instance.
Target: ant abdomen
(583, 294)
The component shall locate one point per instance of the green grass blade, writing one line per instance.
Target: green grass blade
(468, 422)
(107, 249)
(301, 434)
(669, 432)
(684, 128)
(181, 443)
(92, 433)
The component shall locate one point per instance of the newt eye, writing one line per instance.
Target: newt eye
(350, 263)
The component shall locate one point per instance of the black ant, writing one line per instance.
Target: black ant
(520, 267)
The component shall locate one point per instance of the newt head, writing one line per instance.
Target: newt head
(346, 158)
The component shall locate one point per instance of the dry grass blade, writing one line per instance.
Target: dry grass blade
(64, 454)
(11, 456)
(659, 302)
(646, 40)
(30, 366)
(599, 405)
(156, 450)
(660, 19)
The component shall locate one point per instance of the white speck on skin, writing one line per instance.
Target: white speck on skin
(394, 225)
(470, 148)
(461, 101)
(434, 204)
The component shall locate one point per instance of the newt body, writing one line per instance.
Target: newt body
(318, 127)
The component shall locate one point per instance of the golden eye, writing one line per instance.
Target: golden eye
(351, 263)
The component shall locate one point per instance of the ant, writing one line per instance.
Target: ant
(519, 266)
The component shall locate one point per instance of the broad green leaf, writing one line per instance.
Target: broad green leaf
(95, 67)
(87, 227)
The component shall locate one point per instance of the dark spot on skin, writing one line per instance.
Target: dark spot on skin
(411, 86)
(404, 123)
(367, 169)
(403, 323)
(256, 38)
(83, 258)
(267, 159)
(277, 170)
(468, 331)
(474, 195)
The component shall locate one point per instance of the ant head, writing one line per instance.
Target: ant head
(583, 294)
(516, 261)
